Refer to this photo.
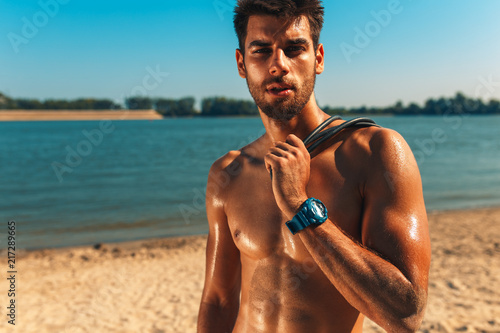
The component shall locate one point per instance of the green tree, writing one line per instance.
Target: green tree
(185, 106)
(175, 108)
(166, 107)
(221, 106)
(29, 104)
(139, 103)
(413, 109)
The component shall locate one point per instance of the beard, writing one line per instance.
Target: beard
(286, 108)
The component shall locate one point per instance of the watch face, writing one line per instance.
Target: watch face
(317, 209)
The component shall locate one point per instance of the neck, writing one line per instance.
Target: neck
(301, 125)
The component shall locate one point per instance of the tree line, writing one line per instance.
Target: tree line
(8, 103)
(222, 106)
(459, 104)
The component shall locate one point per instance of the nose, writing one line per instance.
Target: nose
(279, 65)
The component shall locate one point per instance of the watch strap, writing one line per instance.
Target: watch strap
(298, 222)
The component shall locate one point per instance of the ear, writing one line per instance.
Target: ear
(240, 61)
(320, 59)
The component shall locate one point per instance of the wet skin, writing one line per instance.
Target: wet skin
(371, 257)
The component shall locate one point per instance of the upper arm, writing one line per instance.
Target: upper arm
(395, 220)
(223, 268)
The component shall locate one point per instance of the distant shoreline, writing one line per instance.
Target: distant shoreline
(50, 115)
(77, 115)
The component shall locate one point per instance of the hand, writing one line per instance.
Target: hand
(290, 164)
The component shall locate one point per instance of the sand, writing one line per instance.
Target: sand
(31, 115)
(155, 285)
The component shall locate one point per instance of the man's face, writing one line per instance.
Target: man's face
(280, 65)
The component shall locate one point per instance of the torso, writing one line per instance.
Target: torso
(282, 289)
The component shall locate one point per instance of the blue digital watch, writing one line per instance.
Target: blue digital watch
(312, 212)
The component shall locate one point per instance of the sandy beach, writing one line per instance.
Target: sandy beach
(155, 285)
(40, 115)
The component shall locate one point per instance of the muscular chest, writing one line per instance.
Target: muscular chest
(257, 224)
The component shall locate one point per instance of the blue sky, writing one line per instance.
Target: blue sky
(106, 49)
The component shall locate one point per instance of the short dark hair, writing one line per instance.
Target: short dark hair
(287, 9)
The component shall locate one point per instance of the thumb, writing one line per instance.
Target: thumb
(268, 165)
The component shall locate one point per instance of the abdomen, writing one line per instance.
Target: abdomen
(280, 294)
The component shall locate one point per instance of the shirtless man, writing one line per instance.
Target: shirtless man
(369, 258)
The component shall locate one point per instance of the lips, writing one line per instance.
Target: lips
(279, 89)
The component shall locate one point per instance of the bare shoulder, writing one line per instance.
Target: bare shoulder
(227, 168)
(392, 154)
(231, 164)
(387, 141)
(372, 140)
(223, 162)
(381, 147)
(221, 172)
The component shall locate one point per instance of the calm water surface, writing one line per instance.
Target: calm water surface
(71, 183)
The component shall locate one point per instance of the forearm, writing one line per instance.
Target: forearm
(371, 284)
(214, 319)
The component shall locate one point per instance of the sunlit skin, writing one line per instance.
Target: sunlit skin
(370, 258)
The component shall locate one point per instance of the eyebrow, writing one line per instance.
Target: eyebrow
(295, 41)
(259, 43)
(298, 41)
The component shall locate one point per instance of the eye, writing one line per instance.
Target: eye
(263, 51)
(294, 50)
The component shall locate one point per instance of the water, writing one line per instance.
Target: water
(73, 183)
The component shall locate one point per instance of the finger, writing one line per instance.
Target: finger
(285, 150)
(270, 161)
(268, 165)
(269, 168)
(271, 164)
(294, 141)
(283, 145)
(276, 151)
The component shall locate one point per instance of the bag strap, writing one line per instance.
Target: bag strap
(318, 136)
